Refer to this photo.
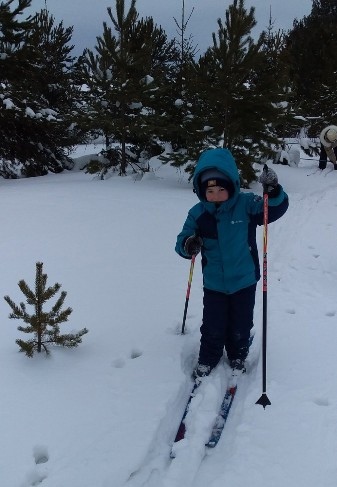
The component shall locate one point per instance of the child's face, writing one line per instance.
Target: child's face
(216, 194)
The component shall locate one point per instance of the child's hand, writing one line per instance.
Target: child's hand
(268, 178)
(193, 245)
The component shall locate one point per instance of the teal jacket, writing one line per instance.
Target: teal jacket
(229, 254)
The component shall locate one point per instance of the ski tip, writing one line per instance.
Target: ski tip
(264, 401)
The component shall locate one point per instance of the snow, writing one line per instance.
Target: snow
(179, 102)
(8, 103)
(30, 113)
(105, 414)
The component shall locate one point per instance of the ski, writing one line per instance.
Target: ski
(225, 407)
(222, 416)
(182, 428)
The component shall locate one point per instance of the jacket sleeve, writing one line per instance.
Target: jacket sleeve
(276, 207)
(190, 228)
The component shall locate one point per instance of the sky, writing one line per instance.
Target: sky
(105, 414)
(87, 16)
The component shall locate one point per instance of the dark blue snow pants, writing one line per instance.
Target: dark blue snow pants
(227, 321)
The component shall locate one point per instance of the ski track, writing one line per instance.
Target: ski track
(152, 469)
(158, 470)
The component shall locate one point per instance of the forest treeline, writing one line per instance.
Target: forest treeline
(149, 95)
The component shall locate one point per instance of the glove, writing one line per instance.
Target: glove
(322, 165)
(268, 178)
(193, 245)
(335, 166)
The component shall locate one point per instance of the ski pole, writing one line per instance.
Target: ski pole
(264, 400)
(188, 293)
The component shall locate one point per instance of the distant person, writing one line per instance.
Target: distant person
(222, 225)
(328, 138)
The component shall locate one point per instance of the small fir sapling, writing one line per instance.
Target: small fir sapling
(44, 325)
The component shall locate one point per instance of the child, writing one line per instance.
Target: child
(223, 226)
(328, 138)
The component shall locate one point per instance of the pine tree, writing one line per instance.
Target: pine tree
(157, 59)
(276, 74)
(113, 96)
(124, 79)
(14, 67)
(45, 326)
(313, 63)
(187, 50)
(56, 85)
(240, 94)
(38, 98)
(181, 126)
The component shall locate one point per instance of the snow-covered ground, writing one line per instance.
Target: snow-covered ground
(105, 414)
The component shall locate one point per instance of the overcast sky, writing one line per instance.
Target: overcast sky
(87, 16)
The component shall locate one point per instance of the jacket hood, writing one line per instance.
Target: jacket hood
(223, 161)
(324, 135)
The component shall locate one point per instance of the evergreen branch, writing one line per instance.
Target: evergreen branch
(58, 305)
(26, 329)
(50, 292)
(19, 312)
(31, 298)
(26, 347)
(61, 317)
(71, 339)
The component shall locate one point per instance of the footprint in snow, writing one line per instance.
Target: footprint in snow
(35, 477)
(40, 453)
(321, 401)
(291, 311)
(135, 353)
(118, 363)
(330, 313)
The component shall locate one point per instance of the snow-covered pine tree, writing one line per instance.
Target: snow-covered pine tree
(14, 66)
(57, 96)
(113, 103)
(44, 325)
(312, 50)
(159, 58)
(240, 94)
(34, 66)
(32, 57)
(179, 122)
(124, 79)
(277, 66)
